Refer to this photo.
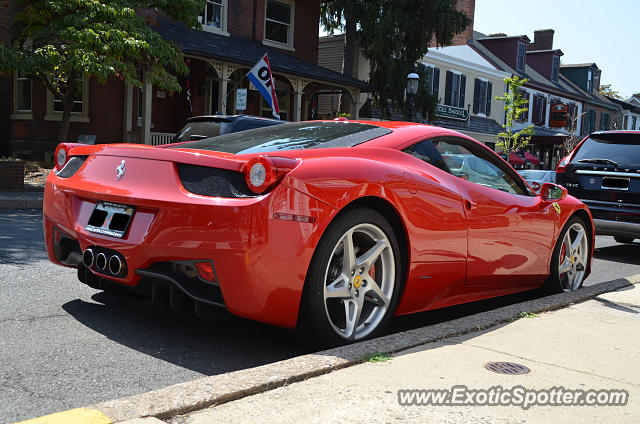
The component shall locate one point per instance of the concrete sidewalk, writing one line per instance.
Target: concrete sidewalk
(590, 345)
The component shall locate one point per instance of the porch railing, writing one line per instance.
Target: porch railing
(157, 138)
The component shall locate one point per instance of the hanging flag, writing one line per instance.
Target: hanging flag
(260, 76)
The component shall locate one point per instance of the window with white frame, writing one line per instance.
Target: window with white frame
(78, 99)
(455, 89)
(278, 25)
(433, 79)
(24, 88)
(555, 67)
(521, 57)
(214, 16)
(482, 96)
(589, 80)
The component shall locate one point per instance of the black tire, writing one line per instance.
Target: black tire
(624, 240)
(315, 323)
(555, 284)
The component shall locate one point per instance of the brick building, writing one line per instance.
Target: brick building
(235, 35)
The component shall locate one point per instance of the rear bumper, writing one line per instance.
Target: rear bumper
(617, 228)
(260, 262)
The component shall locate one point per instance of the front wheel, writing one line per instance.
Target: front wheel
(354, 279)
(570, 259)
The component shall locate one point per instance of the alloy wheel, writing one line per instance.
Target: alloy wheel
(572, 263)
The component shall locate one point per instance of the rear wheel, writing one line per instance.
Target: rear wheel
(570, 257)
(624, 239)
(354, 280)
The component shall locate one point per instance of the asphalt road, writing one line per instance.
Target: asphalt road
(65, 345)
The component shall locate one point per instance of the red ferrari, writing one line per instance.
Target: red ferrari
(338, 225)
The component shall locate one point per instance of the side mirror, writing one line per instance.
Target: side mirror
(550, 192)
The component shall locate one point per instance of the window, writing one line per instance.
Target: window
(433, 80)
(79, 108)
(454, 90)
(482, 97)
(589, 124)
(521, 57)
(283, 103)
(539, 110)
(214, 16)
(525, 115)
(633, 123)
(24, 87)
(279, 22)
(625, 122)
(589, 80)
(572, 112)
(554, 68)
(605, 121)
(478, 165)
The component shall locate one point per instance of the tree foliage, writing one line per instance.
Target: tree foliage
(394, 35)
(511, 140)
(610, 92)
(60, 41)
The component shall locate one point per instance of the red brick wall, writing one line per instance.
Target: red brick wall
(240, 18)
(11, 175)
(469, 9)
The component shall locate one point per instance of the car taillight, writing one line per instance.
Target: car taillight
(262, 172)
(61, 156)
(563, 163)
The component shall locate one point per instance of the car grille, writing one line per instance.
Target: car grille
(213, 182)
(71, 166)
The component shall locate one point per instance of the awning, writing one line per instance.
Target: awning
(531, 158)
(516, 160)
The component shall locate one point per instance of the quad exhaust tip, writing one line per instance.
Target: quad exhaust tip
(88, 258)
(115, 265)
(101, 261)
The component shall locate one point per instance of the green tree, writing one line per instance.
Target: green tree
(58, 42)
(393, 35)
(610, 92)
(514, 105)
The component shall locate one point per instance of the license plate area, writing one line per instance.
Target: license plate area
(110, 219)
(615, 183)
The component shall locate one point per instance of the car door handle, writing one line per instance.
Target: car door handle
(468, 204)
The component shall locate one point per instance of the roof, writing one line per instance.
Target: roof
(593, 98)
(580, 65)
(536, 80)
(503, 37)
(558, 51)
(477, 124)
(246, 52)
(625, 105)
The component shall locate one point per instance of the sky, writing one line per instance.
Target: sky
(605, 32)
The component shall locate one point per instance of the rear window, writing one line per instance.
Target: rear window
(292, 136)
(532, 174)
(621, 148)
(198, 130)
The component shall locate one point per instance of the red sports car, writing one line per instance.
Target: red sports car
(336, 225)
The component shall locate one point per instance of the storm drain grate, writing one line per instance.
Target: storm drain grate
(510, 368)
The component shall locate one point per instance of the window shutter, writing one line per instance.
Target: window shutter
(463, 83)
(476, 95)
(436, 82)
(543, 116)
(489, 98)
(535, 109)
(447, 90)
(525, 116)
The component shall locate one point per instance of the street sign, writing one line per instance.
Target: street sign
(452, 112)
(241, 99)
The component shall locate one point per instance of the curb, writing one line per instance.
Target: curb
(21, 200)
(215, 390)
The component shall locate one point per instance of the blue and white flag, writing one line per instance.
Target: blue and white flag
(260, 76)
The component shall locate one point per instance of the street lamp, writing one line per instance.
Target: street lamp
(412, 90)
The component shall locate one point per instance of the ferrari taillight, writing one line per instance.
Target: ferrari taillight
(262, 172)
(61, 156)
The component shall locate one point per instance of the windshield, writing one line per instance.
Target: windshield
(532, 174)
(621, 148)
(292, 136)
(198, 130)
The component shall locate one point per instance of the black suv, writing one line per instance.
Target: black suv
(604, 172)
(201, 127)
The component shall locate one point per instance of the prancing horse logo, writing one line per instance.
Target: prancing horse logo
(120, 170)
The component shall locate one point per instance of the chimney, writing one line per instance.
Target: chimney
(543, 39)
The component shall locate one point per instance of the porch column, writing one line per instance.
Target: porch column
(222, 96)
(128, 107)
(145, 136)
(356, 104)
(297, 105)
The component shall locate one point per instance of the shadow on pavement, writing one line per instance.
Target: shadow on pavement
(621, 253)
(206, 347)
(21, 237)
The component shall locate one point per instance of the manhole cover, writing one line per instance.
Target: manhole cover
(510, 368)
